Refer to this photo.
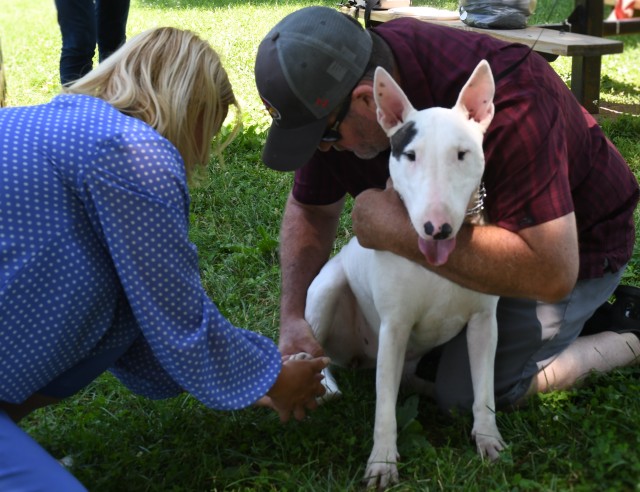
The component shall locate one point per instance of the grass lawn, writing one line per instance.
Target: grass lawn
(586, 439)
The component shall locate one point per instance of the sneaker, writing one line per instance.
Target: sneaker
(625, 310)
(621, 316)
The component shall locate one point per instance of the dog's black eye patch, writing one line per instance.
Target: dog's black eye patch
(403, 137)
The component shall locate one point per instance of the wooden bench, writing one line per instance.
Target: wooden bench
(586, 51)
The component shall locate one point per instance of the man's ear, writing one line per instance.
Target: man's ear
(364, 93)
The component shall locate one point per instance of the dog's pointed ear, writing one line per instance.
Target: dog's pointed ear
(393, 107)
(476, 98)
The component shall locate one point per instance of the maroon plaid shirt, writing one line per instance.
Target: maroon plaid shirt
(545, 155)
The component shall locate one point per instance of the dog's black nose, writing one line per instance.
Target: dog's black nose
(444, 233)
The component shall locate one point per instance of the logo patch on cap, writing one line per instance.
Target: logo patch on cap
(273, 112)
(322, 102)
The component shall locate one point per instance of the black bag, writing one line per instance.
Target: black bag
(496, 14)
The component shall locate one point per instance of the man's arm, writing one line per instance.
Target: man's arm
(307, 235)
(540, 262)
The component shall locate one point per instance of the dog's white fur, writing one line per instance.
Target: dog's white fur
(370, 307)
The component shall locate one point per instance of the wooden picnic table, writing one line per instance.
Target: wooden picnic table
(550, 41)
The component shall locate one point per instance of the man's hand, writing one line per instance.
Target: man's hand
(297, 387)
(543, 260)
(379, 217)
(297, 336)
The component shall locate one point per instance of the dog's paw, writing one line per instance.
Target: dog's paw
(379, 476)
(301, 356)
(329, 382)
(489, 443)
(382, 470)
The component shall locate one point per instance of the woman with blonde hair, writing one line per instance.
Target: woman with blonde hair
(97, 269)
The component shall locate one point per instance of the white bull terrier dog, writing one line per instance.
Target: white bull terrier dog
(370, 307)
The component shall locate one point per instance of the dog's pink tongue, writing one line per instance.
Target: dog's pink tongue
(437, 252)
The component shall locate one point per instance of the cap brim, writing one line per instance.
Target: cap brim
(289, 149)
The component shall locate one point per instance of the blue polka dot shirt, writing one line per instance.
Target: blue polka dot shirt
(95, 255)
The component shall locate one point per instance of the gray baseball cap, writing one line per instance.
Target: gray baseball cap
(305, 67)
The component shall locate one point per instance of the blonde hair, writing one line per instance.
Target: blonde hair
(172, 80)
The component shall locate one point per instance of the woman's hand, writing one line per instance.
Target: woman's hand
(297, 387)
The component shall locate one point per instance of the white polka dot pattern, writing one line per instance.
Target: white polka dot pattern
(94, 212)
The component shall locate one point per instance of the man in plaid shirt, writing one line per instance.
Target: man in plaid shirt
(560, 197)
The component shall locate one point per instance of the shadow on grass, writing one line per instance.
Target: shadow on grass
(609, 84)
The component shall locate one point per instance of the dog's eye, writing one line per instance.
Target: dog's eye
(411, 155)
(461, 154)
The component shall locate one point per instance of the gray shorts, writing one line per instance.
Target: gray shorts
(530, 335)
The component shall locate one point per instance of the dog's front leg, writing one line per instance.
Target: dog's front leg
(381, 466)
(324, 313)
(482, 337)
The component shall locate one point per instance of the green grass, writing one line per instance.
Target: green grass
(581, 440)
